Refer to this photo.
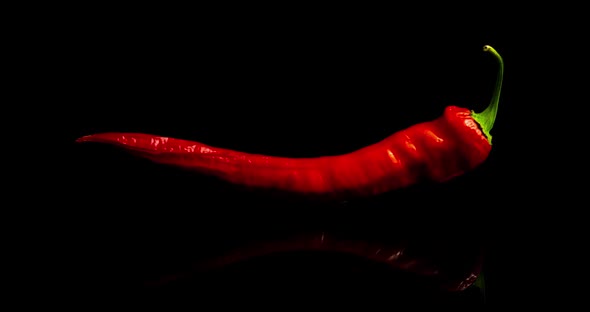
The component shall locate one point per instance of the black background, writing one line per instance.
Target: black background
(281, 85)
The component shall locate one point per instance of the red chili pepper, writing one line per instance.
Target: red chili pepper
(437, 150)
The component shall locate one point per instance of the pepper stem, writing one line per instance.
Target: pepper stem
(486, 118)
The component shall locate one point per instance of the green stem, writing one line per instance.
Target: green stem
(486, 118)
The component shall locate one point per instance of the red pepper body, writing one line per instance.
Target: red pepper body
(436, 150)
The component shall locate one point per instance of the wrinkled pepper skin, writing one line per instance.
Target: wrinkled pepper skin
(437, 150)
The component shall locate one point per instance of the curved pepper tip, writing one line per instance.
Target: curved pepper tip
(85, 138)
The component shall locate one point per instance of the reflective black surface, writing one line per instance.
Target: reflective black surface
(289, 91)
